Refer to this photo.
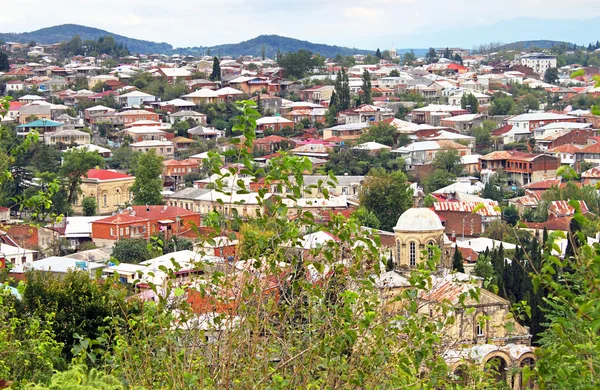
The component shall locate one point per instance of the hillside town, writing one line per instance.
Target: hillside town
(136, 168)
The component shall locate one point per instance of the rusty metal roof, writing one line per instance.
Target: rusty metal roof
(489, 208)
(562, 208)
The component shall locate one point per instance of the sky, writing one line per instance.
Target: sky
(353, 23)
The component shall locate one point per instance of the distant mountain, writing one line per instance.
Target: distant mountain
(271, 43)
(541, 44)
(65, 32)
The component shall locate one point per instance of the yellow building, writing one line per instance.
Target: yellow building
(111, 190)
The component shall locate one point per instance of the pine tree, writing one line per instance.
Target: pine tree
(457, 261)
(378, 53)
(216, 72)
(447, 53)
(390, 264)
(4, 66)
(346, 90)
(367, 96)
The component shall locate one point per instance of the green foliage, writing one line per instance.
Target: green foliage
(148, 183)
(502, 105)
(131, 250)
(458, 261)
(431, 56)
(366, 97)
(387, 195)
(90, 206)
(380, 132)
(360, 162)
(448, 160)
(76, 164)
(29, 351)
(80, 378)
(367, 218)
(510, 215)
(483, 135)
(298, 64)
(439, 178)
(216, 70)
(124, 158)
(103, 45)
(470, 102)
(4, 65)
(429, 200)
(551, 75)
(394, 73)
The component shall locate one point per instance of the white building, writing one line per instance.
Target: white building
(539, 62)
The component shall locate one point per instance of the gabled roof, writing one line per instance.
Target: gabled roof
(202, 93)
(593, 173)
(566, 148)
(106, 174)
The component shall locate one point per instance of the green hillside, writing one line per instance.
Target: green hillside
(526, 45)
(271, 43)
(65, 32)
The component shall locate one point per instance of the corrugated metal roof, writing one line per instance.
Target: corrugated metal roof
(487, 210)
(562, 208)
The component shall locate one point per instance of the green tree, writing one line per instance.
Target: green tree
(448, 160)
(131, 250)
(89, 206)
(457, 260)
(502, 105)
(409, 58)
(297, 64)
(367, 218)
(438, 179)
(394, 73)
(366, 97)
(431, 56)
(4, 66)
(510, 215)
(380, 132)
(76, 164)
(483, 135)
(458, 59)
(148, 183)
(551, 75)
(387, 195)
(216, 70)
(378, 53)
(468, 101)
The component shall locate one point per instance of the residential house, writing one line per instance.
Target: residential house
(174, 171)
(100, 79)
(175, 105)
(229, 94)
(42, 126)
(539, 62)
(182, 143)
(205, 133)
(143, 222)
(591, 177)
(318, 94)
(557, 134)
(37, 111)
(147, 133)
(174, 74)
(88, 112)
(365, 113)
(131, 116)
(111, 189)
(567, 153)
(249, 85)
(273, 123)
(165, 149)
(57, 266)
(203, 96)
(184, 115)
(522, 168)
(272, 144)
(532, 121)
(347, 131)
(463, 123)
(67, 137)
(423, 152)
(482, 99)
(590, 154)
(135, 99)
(433, 114)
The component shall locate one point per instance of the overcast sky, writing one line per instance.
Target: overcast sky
(354, 23)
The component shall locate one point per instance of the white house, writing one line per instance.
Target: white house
(135, 98)
(539, 62)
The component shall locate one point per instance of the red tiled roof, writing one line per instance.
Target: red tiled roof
(190, 162)
(560, 223)
(566, 148)
(594, 149)
(272, 139)
(105, 174)
(160, 212)
(544, 184)
(502, 130)
(121, 218)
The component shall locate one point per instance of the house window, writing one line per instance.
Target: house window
(127, 230)
(412, 254)
(112, 232)
(121, 231)
(344, 190)
(430, 249)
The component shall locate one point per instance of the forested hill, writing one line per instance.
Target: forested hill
(65, 32)
(540, 44)
(271, 43)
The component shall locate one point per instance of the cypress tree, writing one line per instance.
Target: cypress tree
(367, 97)
(378, 53)
(216, 72)
(457, 261)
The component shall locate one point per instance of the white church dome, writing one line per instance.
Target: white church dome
(419, 219)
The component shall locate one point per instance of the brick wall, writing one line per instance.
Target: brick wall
(454, 223)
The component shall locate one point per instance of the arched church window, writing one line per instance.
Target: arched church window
(412, 254)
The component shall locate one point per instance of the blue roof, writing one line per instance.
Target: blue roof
(41, 123)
